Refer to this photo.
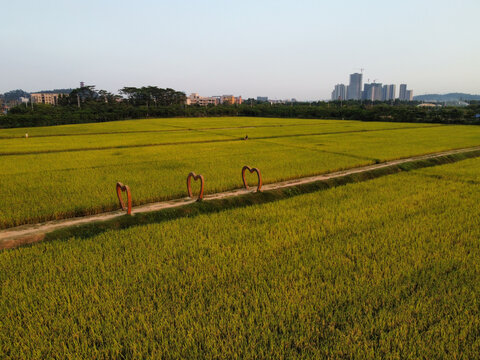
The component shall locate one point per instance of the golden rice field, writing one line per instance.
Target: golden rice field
(71, 170)
(386, 268)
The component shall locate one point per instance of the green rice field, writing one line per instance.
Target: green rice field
(71, 170)
(384, 269)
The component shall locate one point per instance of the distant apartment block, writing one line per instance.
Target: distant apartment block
(195, 99)
(227, 99)
(354, 89)
(44, 98)
(372, 92)
(340, 92)
(409, 95)
(405, 94)
(385, 92)
(377, 92)
(231, 100)
(388, 92)
(393, 91)
(262, 98)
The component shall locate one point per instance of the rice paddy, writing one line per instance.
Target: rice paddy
(72, 170)
(386, 268)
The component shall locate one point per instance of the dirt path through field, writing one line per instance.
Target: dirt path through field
(25, 234)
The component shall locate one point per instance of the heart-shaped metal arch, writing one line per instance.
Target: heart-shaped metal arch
(120, 188)
(189, 185)
(252, 170)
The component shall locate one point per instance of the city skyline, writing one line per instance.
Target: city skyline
(280, 49)
(372, 91)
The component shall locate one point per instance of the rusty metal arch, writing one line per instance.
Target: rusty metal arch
(189, 184)
(252, 170)
(120, 188)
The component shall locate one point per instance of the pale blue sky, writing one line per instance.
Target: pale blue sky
(275, 48)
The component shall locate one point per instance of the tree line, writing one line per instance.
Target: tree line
(147, 96)
(86, 104)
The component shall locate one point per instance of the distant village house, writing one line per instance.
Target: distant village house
(196, 99)
(44, 98)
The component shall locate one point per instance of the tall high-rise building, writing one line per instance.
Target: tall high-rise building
(354, 89)
(402, 96)
(384, 92)
(409, 95)
(339, 93)
(392, 91)
(367, 93)
(388, 92)
(372, 92)
(377, 92)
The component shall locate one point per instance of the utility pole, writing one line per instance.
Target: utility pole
(78, 100)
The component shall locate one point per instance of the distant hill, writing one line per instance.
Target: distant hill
(446, 97)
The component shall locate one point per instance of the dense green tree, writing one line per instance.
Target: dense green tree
(15, 95)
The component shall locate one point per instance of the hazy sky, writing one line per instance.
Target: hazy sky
(275, 48)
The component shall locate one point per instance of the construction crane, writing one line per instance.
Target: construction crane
(361, 70)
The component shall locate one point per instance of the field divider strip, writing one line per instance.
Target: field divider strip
(31, 233)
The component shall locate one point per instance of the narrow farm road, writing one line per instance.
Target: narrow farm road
(25, 234)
